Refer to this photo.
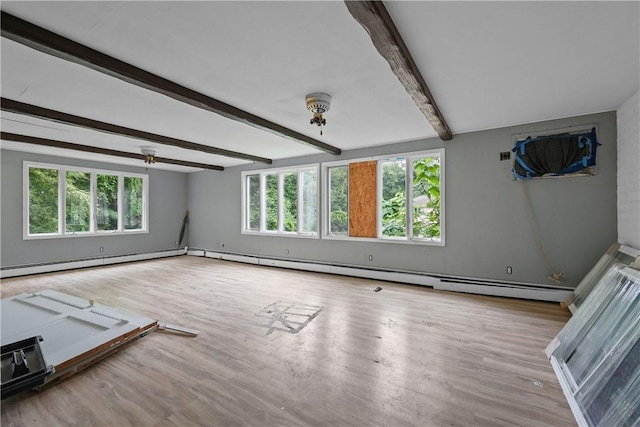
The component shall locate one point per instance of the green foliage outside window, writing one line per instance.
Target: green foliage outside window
(339, 200)
(291, 201)
(78, 202)
(43, 200)
(107, 206)
(253, 184)
(271, 183)
(394, 201)
(133, 191)
(309, 201)
(426, 199)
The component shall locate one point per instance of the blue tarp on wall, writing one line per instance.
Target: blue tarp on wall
(555, 155)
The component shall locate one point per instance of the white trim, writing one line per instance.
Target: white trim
(554, 295)
(468, 285)
(629, 251)
(93, 262)
(566, 389)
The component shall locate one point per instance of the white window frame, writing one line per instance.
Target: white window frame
(280, 172)
(62, 205)
(326, 217)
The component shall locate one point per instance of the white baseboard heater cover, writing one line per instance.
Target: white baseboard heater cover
(51, 267)
(455, 284)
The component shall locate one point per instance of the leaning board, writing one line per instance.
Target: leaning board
(75, 332)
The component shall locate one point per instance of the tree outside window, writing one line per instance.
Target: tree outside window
(288, 199)
(107, 202)
(43, 200)
(69, 201)
(78, 202)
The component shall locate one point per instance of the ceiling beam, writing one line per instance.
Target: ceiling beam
(12, 106)
(386, 38)
(6, 136)
(38, 38)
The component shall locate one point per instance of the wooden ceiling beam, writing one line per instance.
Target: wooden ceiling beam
(6, 136)
(386, 38)
(46, 41)
(12, 106)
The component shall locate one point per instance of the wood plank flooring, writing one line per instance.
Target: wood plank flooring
(404, 356)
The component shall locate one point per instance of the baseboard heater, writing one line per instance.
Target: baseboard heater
(436, 281)
(49, 267)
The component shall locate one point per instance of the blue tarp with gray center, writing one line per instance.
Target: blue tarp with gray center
(555, 155)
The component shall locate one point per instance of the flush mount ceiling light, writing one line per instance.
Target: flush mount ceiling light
(318, 103)
(149, 152)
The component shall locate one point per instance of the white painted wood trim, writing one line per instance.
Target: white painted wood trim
(466, 285)
(566, 389)
(554, 295)
(94, 262)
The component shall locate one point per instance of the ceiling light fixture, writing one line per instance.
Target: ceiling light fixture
(318, 103)
(149, 152)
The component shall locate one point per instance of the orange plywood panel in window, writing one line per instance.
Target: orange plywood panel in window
(362, 199)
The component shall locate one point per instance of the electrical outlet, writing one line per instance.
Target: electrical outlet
(370, 257)
(101, 248)
(509, 270)
(286, 251)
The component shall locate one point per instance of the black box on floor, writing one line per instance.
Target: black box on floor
(23, 366)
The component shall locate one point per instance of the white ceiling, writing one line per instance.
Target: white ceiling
(488, 64)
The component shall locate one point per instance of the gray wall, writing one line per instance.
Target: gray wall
(487, 221)
(628, 172)
(167, 198)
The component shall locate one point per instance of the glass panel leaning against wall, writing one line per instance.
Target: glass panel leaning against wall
(70, 201)
(409, 201)
(281, 201)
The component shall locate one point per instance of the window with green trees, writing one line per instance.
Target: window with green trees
(338, 200)
(65, 201)
(78, 202)
(283, 201)
(133, 197)
(413, 210)
(409, 201)
(43, 200)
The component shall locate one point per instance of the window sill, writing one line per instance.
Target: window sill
(72, 235)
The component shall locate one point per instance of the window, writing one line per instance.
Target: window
(107, 202)
(133, 198)
(65, 201)
(43, 201)
(282, 201)
(78, 200)
(401, 202)
(338, 200)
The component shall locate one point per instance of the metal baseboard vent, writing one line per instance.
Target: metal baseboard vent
(50, 267)
(439, 282)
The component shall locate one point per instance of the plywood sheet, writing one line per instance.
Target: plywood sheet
(362, 199)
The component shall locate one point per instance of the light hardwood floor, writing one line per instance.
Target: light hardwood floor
(403, 356)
